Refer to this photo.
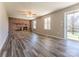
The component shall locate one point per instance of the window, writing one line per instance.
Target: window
(72, 25)
(47, 23)
(34, 24)
(73, 22)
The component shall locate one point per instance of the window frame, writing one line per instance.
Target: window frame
(47, 23)
(34, 24)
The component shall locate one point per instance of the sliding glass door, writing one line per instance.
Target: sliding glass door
(72, 25)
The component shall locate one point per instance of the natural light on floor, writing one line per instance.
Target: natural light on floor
(74, 36)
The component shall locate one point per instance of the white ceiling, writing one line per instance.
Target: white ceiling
(17, 9)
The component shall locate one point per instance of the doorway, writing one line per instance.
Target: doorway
(72, 25)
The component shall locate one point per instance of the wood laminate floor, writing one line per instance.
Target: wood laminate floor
(27, 44)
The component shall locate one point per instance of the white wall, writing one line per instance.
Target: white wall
(3, 25)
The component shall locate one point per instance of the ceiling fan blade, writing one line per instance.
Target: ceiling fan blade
(34, 14)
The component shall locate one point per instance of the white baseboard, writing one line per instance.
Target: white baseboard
(48, 35)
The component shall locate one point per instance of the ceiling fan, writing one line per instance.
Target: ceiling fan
(28, 13)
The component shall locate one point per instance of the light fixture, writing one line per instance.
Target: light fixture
(27, 13)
